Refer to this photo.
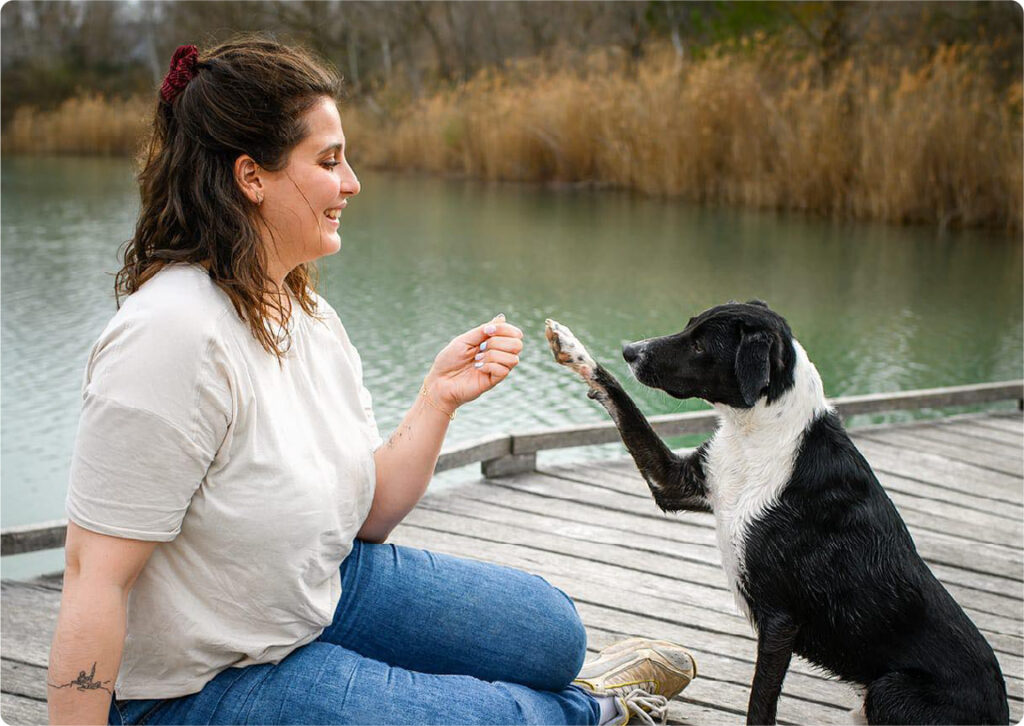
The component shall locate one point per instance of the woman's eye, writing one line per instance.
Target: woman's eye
(329, 164)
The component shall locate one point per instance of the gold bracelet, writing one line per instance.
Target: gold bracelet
(423, 392)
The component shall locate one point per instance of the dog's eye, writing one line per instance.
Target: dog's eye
(698, 347)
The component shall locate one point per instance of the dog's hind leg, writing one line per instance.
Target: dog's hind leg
(775, 636)
(676, 482)
(915, 697)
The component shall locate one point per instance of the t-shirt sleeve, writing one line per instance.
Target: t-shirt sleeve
(365, 399)
(367, 402)
(156, 408)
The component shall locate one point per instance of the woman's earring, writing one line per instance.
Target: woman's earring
(259, 200)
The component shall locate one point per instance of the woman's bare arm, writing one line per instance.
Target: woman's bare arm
(86, 651)
(471, 364)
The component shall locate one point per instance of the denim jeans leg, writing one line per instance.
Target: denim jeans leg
(322, 683)
(434, 613)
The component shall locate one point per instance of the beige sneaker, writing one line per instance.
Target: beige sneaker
(642, 675)
(671, 651)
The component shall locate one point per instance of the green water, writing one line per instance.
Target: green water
(878, 308)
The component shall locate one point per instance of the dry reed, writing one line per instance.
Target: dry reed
(87, 124)
(935, 141)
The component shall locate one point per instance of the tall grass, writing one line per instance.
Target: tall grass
(935, 140)
(86, 124)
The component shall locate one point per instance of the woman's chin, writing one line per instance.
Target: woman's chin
(331, 245)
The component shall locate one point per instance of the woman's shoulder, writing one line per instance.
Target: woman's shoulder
(174, 321)
(179, 290)
(327, 315)
(167, 352)
(181, 303)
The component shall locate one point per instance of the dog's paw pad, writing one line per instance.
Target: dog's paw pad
(568, 350)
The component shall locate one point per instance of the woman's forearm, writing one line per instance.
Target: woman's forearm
(85, 654)
(405, 464)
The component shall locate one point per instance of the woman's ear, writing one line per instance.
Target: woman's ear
(249, 180)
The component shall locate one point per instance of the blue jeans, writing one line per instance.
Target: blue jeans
(417, 638)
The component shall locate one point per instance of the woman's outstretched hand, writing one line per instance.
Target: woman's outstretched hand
(474, 362)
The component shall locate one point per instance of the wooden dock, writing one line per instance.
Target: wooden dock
(593, 530)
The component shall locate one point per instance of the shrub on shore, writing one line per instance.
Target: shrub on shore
(883, 137)
(936, 142)
(88, 124)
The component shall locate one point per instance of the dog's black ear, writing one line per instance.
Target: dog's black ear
(759, 303)
(753, 365)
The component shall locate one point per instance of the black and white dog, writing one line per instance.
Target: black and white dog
(815, 552)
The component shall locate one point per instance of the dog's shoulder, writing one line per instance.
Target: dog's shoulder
(833, 509)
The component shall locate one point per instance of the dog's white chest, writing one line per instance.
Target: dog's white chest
(751, 458)
(745, 475)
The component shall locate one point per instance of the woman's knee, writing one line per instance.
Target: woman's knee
(563, 640)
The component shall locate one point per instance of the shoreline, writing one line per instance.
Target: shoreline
(935, 143)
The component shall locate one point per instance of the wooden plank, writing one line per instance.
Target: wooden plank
(975, 430)
(933, 469)
(698, 562)
(23, 679)
(961, 440)
(1010, 439)
(686, 711)
(640, 542)
(1012, 512)
(988, 612)
(933, 516)
(674, 536)
(19, 711)
(1013, 422)
(951, 444)
(694, 579)
(32, 537)
(587, 582)
(969, 395)
(28, 627)
(489, 447)
(953, 561)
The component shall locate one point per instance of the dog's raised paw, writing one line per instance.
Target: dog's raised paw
(568, 350)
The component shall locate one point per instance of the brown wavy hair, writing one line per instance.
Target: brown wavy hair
(248, 96)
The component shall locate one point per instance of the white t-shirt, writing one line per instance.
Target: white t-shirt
(255, 478)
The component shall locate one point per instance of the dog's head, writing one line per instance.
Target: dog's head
(733, 354)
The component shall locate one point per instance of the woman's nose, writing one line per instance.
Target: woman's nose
(350, 182)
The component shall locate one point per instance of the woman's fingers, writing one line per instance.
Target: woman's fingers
(503, 343)
(495, 370)
(496, 358)
(496, 327)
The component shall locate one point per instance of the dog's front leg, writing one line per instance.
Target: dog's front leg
(676, 482)
(775, 636)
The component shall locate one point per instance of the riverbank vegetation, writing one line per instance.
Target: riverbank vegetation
(904, 112)
(932, 142)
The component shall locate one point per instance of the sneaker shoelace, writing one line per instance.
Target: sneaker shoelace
(647, 707)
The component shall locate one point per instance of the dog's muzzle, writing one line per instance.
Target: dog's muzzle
(634, 354)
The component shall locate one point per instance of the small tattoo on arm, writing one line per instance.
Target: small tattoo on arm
(85, 682)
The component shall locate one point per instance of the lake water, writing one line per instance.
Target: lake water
(878, 308)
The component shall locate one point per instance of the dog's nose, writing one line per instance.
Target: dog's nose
(631, 351)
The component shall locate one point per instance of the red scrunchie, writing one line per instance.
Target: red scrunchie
(183, 68)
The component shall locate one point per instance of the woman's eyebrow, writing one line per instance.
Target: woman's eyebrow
(332, 148)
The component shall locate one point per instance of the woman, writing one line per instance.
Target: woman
(229, 491)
